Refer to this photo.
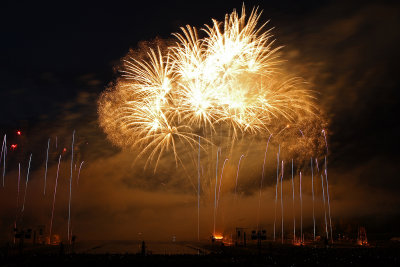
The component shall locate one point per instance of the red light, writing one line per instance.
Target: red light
(64, 150)
(14, 146)
(18, 132)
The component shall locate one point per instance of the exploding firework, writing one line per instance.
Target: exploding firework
(227, 83)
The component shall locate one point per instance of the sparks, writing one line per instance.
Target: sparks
(226, 80)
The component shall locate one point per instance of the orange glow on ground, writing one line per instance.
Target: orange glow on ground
(218, 237)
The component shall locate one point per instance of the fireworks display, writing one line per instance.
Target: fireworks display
(137, 132)
(220, 91)
(227, 82)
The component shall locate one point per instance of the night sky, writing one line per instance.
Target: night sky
(56, 59)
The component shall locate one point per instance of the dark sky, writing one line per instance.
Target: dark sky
(56, 58)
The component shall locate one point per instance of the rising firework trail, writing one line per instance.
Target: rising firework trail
(70, 184)
(237, 174)
(327, 190)
(198, 194)
(276, 188)
(45, 172)
(312, 190)
(220, 181)
(261, 183)
(26, 182)
(316, 164)
(215, 189)
(4, 155)
(323, 197)
(18, 184)
(329, 203)
(220, 184)
(301, 214)
(294, 213)
(54, 197)
(282, 201)
(326, 142)
(79, 172)
(236, 182)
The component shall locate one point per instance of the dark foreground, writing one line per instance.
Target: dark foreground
(268, 255)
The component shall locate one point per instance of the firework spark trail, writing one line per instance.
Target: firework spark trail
(276, 188)
(16, 209)
(329, 204)
(2, 149)
(316, 164)
(282, 201)
(18, 183)
(45, 172)
(294, 213)
(70, 185)
(26, 182)
(4, 155)
(327, 190)
(237, 174)
(236, 182)
(326, 142)
(261, 184)
(198, 194)
(301, 214)
(312, 189)
(323, 197)
(54, 197)
(220, 181)
(79, 172)
(215, 189)
(220, 184)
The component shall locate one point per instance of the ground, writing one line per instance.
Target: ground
(128, 253)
